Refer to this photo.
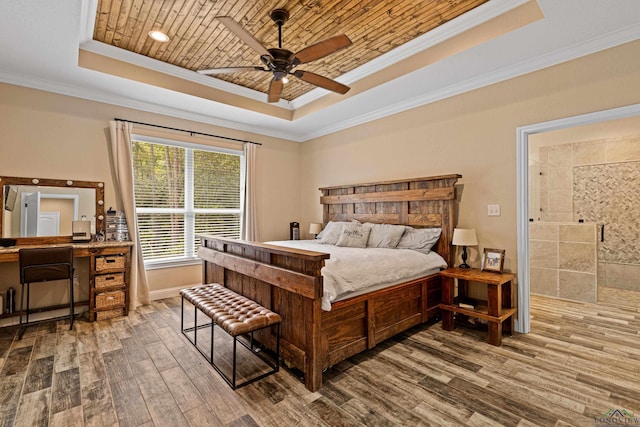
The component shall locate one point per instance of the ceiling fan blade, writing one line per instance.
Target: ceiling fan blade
(243, 34)
(321, 49)
(226, 70)
(275, 90)
(323, 82)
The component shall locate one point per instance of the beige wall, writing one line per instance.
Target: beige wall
(54, 136)
(473, 134)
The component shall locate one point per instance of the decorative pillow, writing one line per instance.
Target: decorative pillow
(354, 236)
(384, 235)
(330, 234)
(421, 239)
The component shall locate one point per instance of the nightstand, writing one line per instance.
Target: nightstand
(499, 312)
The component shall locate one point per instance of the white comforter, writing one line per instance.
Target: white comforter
(352, 270)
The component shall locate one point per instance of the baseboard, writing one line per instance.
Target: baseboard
(45, 315)
(166, 293)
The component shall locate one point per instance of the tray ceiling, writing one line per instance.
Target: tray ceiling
(49, 46)
(199, 41)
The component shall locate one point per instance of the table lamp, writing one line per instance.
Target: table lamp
(464, 237)
(315, 229)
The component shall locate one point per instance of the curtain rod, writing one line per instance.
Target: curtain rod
(192, 132)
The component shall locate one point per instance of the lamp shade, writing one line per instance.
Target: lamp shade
(315, 228)
(464, 237)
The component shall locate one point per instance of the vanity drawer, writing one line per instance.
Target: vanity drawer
(109, 280)
(110, 262)
(110, 314)
(109, 299)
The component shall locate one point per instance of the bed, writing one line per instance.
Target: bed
(289, 281)
(342, 274)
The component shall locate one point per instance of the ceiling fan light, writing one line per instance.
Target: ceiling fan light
(159, 36)
(285, 80)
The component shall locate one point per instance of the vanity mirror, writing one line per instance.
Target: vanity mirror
(38, 210)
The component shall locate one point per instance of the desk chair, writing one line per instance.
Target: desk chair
(43, 265)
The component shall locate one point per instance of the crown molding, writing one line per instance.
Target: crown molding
(427, 40)
(107, 98)
(621, 36)
(124, 55)
(88, 11)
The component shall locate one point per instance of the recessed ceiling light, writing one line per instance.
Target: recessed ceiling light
(159, 36)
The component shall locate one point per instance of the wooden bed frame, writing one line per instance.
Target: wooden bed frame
(288, 281)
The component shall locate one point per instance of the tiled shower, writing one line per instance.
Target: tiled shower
(585, 221)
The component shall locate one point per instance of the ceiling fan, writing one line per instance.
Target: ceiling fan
(282, 62)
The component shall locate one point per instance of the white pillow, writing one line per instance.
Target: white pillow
(354, 236)
(421, 239)
(384, 235)
(331, 232)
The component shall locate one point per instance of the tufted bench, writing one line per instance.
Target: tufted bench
(236, 315)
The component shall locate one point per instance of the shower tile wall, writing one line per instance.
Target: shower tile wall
(598, 182)
(563, 261)
(557, 163)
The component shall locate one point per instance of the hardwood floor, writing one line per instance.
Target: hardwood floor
(579, 362)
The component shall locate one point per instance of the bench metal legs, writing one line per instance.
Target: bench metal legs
(273, 364)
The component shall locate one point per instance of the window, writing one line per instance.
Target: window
(182, 190)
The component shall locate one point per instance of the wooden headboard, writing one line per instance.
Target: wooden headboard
(418, 202)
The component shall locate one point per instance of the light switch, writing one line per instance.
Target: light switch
(493, 210)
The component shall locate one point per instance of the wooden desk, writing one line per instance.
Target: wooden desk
(110, 266)
(499, 312)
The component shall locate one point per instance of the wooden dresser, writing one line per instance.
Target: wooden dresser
(109, 282)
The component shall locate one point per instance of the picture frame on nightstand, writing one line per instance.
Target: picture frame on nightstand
(493, 260)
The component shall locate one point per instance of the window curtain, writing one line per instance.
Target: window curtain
(249, 220)
(123, 171)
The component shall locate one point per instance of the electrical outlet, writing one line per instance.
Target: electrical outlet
(493, 210)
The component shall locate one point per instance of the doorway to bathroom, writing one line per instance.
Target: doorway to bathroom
(578, 204)
(584, 187)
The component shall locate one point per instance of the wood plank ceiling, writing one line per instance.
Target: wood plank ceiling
(199, 41)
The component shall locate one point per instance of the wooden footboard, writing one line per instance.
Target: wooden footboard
(284, 280)
(288, 281)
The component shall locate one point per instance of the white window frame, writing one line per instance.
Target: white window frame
(189, 212)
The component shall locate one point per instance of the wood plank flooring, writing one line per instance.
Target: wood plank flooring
(579, 362)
